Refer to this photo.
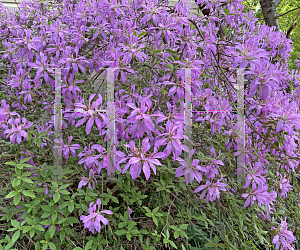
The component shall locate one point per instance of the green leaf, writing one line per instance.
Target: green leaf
(16, 236)
(120, 232)
(47, 208)
(122, 224)
(143, 33)
(155, 210)
(155, 220)
(56, 197)
(61, 220)
(88, 245)
(37, 246)
(77, 248)
(25, 160)
(130, 225)
(39, 227)
(176, 234)
(128, 235)
(172, 244)
(26, 165)
(183, 226)
(169, 66)
(64, 186)
(11, 163)
(64, 191)
(209, 244)
(11, 194)
(263, 232)
(62, 235)
(144, 231)
(147, 209)
(17, 199)
(72, 220)
(184, 234)
(24, 179)
(261, 238)
(54, 216)
(66, 203)
(15, 223)
(51, 231)
(52, 246)
(28, 193)
(114, 199)
(71, 207)
(54, 185)
(29, 220)
(26, 229)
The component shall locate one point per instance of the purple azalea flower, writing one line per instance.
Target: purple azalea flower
(18, 130)
(284, 185)
(172, 118)
(212, 167)
(139, 158)
(89, 158)
(260, 194)
(283, 237)
(172, 139)
(133, 49)
(93, 220)
(89, 113)
(190, 171)
(141, 121)
(212, 189)
(66, 149)
(84, 181)
(255, 173)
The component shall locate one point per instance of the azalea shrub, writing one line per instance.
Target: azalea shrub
(160, 193)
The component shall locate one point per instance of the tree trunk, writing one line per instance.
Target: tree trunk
(269, 12)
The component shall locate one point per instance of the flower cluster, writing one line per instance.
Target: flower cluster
(92, 221)
(149, 108)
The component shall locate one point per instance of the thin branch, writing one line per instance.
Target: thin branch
(287, 12)
(288, 34)
(29, 238)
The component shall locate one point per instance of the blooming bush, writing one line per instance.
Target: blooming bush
(149, 44)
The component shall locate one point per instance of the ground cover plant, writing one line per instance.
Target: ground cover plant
(157, 199)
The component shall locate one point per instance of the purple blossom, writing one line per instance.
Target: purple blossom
(172, 139)
(190, 171)
(283, 237)
(212, 189)
(90, 158)
(172, 117)
(93, 220)
(18, 130)
(66, 149)
(284, 185)
(89, 114)
(139, 159)
(255, 173)
(141, 121)
(260, 194)
(213, 166)
(84, 181)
